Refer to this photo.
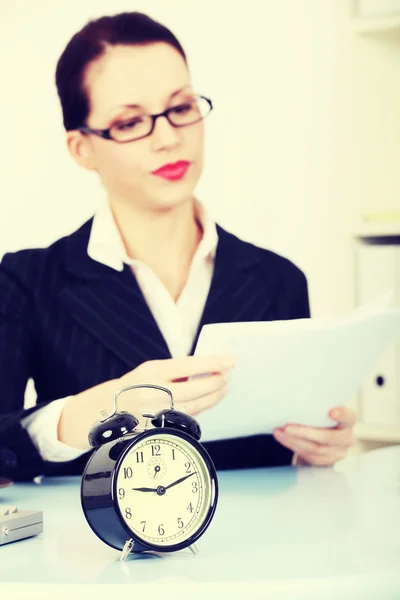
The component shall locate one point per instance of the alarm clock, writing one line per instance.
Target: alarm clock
(153, 489)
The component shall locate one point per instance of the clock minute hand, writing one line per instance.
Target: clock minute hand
(178, 481)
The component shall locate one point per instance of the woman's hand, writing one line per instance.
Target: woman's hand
(320, 446)
(196, 383)
(190, 395)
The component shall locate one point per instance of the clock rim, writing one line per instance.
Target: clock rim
(213, 477)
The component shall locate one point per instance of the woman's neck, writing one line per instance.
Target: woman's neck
(165, 240)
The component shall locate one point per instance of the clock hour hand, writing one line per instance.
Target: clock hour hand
(145, 489)
(178, 481)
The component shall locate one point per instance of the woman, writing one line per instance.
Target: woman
(122, 300)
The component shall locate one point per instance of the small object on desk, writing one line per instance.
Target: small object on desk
(152, 489)
(4, 482)
(19, 524)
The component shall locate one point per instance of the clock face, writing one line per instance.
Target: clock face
(164, 489)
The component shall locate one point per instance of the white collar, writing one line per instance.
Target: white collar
(106, 245)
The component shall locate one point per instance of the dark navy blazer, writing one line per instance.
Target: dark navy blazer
(70, 323)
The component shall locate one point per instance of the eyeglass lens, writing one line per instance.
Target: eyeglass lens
(134, 126)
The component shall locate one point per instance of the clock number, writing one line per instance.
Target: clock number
(139, 457)
(190, 508)
(161, 529)
(155, 450)
(173, 454)
(121, 493)
(188, 465)
(195, 489)
(144, 525)
(127, 472)
(128, 513)
(180, 523)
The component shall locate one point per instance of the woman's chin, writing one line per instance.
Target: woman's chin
(172, 196)
(167, 203)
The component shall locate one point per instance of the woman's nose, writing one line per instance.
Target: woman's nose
(164, 134)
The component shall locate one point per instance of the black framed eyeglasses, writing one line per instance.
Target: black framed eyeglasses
(139, 126)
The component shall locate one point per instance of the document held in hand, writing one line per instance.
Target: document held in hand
(294, 371)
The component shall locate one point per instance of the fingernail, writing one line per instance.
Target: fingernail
(335, 414)
(290, 430)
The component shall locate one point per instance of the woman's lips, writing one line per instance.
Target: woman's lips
(173, 171)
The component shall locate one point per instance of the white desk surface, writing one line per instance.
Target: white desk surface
(277, 533)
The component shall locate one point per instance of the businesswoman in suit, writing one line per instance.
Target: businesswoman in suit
(122, 299)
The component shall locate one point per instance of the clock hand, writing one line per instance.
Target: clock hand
(178, 481)
(161, 489)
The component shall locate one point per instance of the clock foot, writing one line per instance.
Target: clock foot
(127, 548)
(193, 548)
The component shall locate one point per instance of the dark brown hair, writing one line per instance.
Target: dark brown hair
(89, 44)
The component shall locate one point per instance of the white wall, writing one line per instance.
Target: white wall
(371, 157)
(274, 69)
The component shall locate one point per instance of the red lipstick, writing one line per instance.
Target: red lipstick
(173, 171)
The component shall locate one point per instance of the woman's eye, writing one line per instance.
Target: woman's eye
(128, 124)
(182, 108)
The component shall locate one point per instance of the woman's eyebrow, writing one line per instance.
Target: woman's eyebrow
(139, 105)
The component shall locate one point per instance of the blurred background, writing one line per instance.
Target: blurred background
(301, 150)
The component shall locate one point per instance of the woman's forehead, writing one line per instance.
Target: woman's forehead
(141, 75)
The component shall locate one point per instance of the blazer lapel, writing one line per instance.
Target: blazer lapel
(241, 290)
(110, 305)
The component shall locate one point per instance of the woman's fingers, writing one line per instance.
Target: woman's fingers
(171, 369)
(312, 452)
(327, 436)
(192, 406)
(192, 390)
(196, 382)
(202, 403)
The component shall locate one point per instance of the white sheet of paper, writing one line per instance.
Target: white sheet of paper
(294, 371)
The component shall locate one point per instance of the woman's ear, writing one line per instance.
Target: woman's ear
(80, 149)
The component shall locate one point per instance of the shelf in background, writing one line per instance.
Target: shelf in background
(377, 25)
(378, 229)
(378, 433)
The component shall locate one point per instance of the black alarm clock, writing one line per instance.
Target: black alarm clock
(154, 489)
